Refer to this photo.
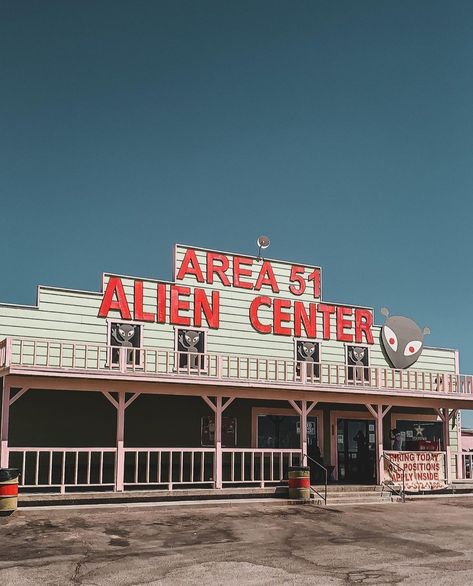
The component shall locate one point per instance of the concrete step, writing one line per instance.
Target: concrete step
(355, 501)
(347, 488)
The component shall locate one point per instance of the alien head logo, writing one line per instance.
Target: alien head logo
(402, 339)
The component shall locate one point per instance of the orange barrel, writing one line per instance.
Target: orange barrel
(8, 490)
(299, 482)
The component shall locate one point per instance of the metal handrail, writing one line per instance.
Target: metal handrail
(322, 496)
(402, 492)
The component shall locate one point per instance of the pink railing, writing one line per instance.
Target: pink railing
(466, 463)
(64, 467)
(3, 353)
(155, 362)
(257, 466)
(169, 466)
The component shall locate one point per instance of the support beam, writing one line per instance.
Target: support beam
(378, 414)
(120, 470)
(17, 395)
(446, 440)
(120, 405)
(303, 411)
(218, 443)
(380, 443)
(4, 424)
(218, 407)
(303, 434)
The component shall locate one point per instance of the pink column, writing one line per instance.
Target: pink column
(446, 434)
(303, 438)
(120, 471)
(218, 443)
(4, 424)
(380, 443)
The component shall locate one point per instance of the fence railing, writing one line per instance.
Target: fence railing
(168, 468)
(257, 466)
(155, 362)
(64, 467)
(466, 463)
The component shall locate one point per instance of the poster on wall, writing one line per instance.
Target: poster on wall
(422, 470)
(207, 432)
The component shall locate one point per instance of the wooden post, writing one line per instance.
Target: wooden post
(303, 434)
(4, 424)
(380, 443)
(446, 435)
(218, 443)
(120, 471)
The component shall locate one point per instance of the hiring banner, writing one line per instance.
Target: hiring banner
(422, 470)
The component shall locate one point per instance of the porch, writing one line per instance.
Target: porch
(68, 435)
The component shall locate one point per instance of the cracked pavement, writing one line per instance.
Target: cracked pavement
(414, 543)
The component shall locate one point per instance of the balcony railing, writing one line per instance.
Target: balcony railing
(57, 357)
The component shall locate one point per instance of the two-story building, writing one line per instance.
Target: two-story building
(225, 376)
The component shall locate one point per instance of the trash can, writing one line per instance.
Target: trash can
(8, 490)
(299, 483)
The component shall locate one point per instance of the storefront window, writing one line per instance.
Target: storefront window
(417, 436)
(283, 431)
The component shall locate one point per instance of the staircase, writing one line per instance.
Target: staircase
(354, 494)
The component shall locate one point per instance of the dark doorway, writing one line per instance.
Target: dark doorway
(356, 448)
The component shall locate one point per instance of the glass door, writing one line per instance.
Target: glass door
(356, 449)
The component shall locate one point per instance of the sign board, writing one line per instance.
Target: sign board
(422, 470)
(284, 298)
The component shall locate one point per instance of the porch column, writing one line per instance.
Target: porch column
(378, 414)
(4, 424)
(218, 408)
(303, 411)
(120, 471)
(446, 435)
(380, 443)
(120, 404)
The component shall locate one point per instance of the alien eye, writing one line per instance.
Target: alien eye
(412, 347)
(122, 333)
(391, 338)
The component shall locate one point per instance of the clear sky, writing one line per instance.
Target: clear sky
(342, 129)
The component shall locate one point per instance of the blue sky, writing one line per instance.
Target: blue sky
(342, 129)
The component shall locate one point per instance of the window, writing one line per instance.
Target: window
(128, 336)
(357, 359)
(308, 351)
(283, 431)
(416, 436)
(207, 431)
(191, 346)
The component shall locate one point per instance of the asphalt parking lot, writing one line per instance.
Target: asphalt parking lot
(418, 543)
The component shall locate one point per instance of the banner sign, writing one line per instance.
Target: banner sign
(422, 470)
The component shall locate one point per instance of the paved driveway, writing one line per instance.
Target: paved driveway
(416, 543)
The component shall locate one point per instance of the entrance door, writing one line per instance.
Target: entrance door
(356, 447)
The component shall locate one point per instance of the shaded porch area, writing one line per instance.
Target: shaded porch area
(77, 436)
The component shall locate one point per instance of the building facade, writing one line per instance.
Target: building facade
(225, 376)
